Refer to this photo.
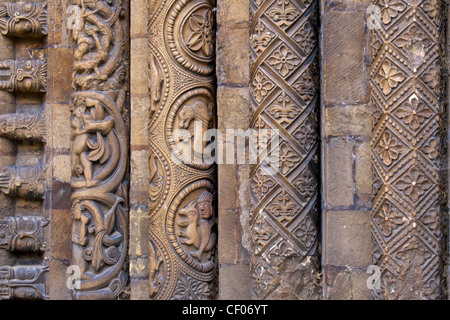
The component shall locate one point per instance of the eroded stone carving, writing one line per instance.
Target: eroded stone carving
(23, 234)
(406, 150)
(284, 86)
(23, 126)
(23, 75)
(24, 283)
(23, 19)
(182, 226)
(26, 182)
(99, 152)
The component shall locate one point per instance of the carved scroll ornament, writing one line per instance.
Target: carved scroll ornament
(182, 192)
(23, 19)
(406, 150)
(284, 97)
(99, 152)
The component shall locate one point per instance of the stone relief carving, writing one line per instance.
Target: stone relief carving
(99, 152)
(182, 224)
(24, 283)
(406, 150)
(283, 87)
(23, 19)
(23, 234)
(26, 182)
(23, 126)
(24, 75)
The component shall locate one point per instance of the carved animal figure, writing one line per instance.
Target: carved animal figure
(190, 234)
(198, 111)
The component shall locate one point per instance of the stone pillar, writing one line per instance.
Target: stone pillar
(346, 133)
(406, 150)
(284, 82)
(182, 183)
(99, 148)
(23, 178)
(8, 150)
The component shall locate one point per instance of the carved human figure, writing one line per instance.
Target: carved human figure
(198, 223)
(88, 117)
(201, 113)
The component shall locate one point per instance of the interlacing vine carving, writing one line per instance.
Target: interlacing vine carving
(99, 152)
(408, 119)
(284, 96)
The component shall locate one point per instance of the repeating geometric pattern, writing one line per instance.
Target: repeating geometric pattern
(406, 150)
(284, 97)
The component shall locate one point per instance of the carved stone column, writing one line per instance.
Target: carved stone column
(99, 151)
(408, 114)
(284, 95)
(182, 184)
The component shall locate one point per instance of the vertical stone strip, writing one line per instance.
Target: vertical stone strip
(406, 149)
(285, 97)
(99, 150)
(8, 151)
(182, 184)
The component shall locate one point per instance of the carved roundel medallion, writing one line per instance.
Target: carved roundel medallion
(189, 35)
(191, 225)
(187, 125)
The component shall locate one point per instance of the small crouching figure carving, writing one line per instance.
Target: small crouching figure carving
(198, 222)
(88, 117)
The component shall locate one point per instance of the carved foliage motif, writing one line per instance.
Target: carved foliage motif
(283, 85)
(23, 75)
(406, 215)
(23, 19)
(24, 282)
(182, 225)
(23, 234)
(99, 152)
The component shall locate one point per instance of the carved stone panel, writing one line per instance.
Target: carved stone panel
(24, 283)
(26, 182)
(406, 150)
(23, 19)
(284, 97)
(182, 186)
(23, 126)
(23, 75)
(99, 152)
(23, 234)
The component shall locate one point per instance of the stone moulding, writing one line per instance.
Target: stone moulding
(182, 227)
(284, 96)
(24, 283)
(99, 152)
(407, 214)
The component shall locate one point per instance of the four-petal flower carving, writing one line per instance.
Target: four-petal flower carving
(261, 86)
(283, 60)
